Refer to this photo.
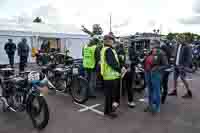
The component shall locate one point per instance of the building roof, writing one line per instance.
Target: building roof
(42, 30)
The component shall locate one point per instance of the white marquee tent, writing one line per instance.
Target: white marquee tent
(71, 37)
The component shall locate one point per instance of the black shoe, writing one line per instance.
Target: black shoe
(148, 109)
(92, 97)
(173, 93)
(188, 95)
(111, 115)
(163, 100)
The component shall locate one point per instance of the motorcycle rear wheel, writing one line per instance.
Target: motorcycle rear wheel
(79, 89)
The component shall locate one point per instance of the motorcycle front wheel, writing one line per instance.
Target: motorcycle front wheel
(194, 66)
(79, 89)
(39, 61)
(38, 111)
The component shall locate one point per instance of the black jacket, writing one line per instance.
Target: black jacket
(186, 56)
(10, 48)
(23, 49)
(132, 55)
(111, 60)
(121, 52)
(168, 51)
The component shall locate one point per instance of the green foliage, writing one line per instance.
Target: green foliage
(96, 30)
(185, 37)
(37, 20)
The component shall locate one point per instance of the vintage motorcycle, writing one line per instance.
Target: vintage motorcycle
(67, 79)
(25, 92)
(53, 58)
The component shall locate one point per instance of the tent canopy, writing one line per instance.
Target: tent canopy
(42, 30)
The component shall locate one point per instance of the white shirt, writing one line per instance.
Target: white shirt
(178, 54)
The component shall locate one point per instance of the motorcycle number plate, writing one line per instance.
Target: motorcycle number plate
(33, 76)
(75, 70)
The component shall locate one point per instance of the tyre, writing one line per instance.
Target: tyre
(36, 107)
(194, 66)
(79, 90)
(39, 61)
(60, 85)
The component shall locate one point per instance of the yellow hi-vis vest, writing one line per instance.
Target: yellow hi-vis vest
(106, 71)
(89, 57)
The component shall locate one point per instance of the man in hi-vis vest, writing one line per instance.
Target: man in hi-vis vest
(111, 72)
(90, 61)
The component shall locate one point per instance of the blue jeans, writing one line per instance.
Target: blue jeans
(153, 82)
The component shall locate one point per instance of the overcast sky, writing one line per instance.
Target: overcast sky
(128, 16)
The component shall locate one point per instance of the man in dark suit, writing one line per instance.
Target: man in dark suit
(10, 49)
(183, 61)
(23, 53)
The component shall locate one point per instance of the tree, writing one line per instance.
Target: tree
(84, 29)
(97, 30)
(170, 36)
(37, 20)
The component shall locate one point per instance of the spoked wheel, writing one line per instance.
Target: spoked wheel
(61, 85)
(38, 111)
(39, 61)
(139, 82)
(79, 90)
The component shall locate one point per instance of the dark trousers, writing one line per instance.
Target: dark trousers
(11, 59)
(91, 77)
(112, 94)
(22, 63)
(164, 84)
(127, 85)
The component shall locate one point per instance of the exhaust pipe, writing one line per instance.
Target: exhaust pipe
(3, 99)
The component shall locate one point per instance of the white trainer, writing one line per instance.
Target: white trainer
(115, 104)
(131, 104)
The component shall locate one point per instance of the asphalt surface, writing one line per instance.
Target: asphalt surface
(177, 116)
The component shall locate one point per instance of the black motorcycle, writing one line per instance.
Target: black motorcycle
(67, 79)
(52, 58)
(22, 93)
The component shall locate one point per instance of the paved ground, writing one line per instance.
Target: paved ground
(177, 116)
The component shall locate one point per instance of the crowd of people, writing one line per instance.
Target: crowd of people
(112, 61)
(115, 64)
(23, 52)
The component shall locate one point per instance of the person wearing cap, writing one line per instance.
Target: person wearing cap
(23, 53)
(10, 49)
(91, 56)
(111, 72)
(155, 63)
